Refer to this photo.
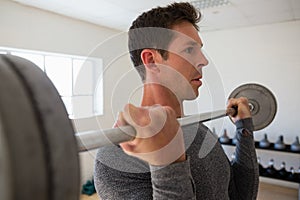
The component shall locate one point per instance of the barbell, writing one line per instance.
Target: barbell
(38, 147)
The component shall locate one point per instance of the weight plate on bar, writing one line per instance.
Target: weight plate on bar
(56, 130)
(262, 103)
(22, 154)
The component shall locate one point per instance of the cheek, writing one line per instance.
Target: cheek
(186, 70)
(174, 75)
(181, 65)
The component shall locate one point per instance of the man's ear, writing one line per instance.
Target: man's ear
(149, 59)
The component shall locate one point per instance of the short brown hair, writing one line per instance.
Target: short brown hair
(147, 31)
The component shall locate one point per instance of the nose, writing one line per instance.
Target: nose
(202, 60)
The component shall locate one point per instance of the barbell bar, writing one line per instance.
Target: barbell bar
(39, 147)
(90, 140)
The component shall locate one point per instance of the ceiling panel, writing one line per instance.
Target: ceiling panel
(119, 14)
(220, 18)
(138, 5)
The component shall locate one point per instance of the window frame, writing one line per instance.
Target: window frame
(96, 73)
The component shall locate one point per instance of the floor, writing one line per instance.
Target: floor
(275, 192)
(266, 192)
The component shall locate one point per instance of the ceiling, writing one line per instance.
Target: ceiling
(118, 14)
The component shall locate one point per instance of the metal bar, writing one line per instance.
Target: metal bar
(99, 138)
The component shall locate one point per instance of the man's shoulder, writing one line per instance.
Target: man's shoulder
(115, 158)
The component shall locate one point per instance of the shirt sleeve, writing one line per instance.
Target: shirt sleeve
(173, 181)
(245, 175)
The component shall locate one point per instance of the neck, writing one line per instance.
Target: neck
(157, 94)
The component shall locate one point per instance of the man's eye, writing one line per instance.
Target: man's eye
(189, 50)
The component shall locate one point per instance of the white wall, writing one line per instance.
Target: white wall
(30, 28)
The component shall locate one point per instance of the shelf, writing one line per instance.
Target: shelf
(271, 148)
(278, 178)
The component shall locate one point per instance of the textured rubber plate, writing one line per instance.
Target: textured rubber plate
(23, 166)
(56, 131)
(262, 103)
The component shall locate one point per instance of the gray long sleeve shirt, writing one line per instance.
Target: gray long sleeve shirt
(206, 174)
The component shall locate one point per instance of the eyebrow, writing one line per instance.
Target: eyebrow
(193, 43)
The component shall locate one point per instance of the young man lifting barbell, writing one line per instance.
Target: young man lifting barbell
(164, 161)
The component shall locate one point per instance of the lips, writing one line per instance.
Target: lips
(197, 78)
(197, 81)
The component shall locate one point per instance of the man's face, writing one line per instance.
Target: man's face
(182, 70)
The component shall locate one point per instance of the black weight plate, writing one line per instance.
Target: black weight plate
(262, 103)
(23, 173)
(57, 131)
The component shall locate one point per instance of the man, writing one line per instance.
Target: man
(164, 161)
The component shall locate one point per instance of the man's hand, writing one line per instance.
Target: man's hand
(243, 110)
(159, 139)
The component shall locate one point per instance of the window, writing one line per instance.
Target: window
(77, 79)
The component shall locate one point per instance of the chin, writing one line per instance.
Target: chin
(191, 96)
(188, 94)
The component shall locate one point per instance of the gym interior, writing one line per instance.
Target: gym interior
(262, 50)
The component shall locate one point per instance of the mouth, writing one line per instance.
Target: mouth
(197, 81)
